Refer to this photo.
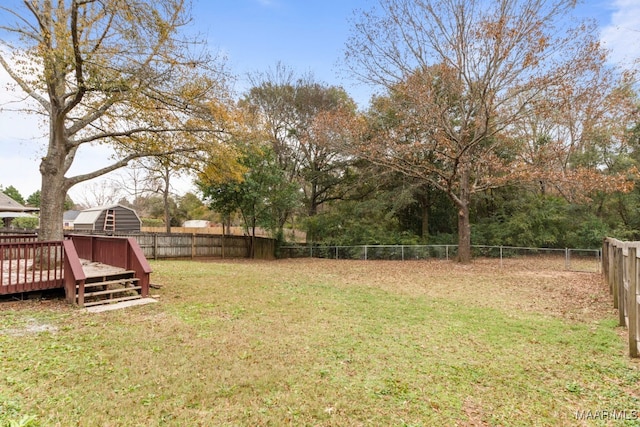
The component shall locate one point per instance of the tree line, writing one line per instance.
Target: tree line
(494, 122)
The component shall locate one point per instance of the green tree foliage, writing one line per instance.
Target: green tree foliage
(34, 199)
(262, 196)
(514, 216)
(192, 207)
(302, 119)
(29, 223)
(363, 222)
(384, 208)
(153, 209)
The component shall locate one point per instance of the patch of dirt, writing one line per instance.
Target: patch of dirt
(31, 327)
(474, 412)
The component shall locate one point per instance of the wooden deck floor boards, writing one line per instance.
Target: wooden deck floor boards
(97, 269)
(18, 271)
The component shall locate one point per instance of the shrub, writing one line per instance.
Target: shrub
(30, 223)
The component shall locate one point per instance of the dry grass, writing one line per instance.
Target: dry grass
(325, 343)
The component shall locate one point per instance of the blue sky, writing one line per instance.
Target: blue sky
(254, 35)
(304, 35)
(310, 35)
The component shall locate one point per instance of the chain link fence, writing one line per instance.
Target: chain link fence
(581, 260)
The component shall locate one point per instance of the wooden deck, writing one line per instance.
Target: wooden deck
(74, 264)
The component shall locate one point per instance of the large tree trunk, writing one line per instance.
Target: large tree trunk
(53, 190)
(52, 196)
(464, 234)
(312, 209)
(425, 203)
(167, 211)
(464, 226)
(252, 248)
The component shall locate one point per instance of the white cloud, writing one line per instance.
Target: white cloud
(21, 141)
(622, 35)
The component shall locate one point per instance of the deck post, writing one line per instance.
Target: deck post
(73, 274)
(80, 296)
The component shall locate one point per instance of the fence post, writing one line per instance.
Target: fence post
(617, 274)
(632, 302)
(155, 245)
(622, 287)
(604, 259)
(365, 252)
(193, 245)
(612, 265)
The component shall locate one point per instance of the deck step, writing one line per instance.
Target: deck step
(112, 291)
(109, 282)
(124, 274)
(112, 288)
(112, 300)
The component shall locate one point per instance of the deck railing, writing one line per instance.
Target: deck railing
(18, 238)
(27, 265)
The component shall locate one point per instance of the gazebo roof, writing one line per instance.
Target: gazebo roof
(7, 204)
(16, 215)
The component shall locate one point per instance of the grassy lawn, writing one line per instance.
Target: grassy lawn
(326, 343)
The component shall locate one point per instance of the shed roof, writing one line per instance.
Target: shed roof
(102, 208)
(90, 216)
(70, 215)
(87, 217)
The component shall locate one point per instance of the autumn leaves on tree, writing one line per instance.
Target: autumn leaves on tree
(110, 72)
(480, 94)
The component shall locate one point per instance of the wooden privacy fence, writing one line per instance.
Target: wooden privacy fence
(179, 245)
(621, 268)
(291, 235)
